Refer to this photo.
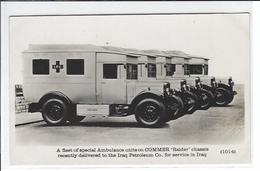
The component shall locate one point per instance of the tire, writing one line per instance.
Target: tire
(55, 112)
(190, 101)
(206, 99)
(175, 107)
(222, 97)
(150, 113)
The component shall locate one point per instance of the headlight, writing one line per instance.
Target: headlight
(197, 81)
(213, 81)
(183, 82)
(166, 86)
(230, 81)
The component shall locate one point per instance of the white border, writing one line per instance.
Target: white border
(66, 8)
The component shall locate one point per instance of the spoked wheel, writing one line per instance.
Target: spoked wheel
(206, 99)
(190, 101)
(150, 113)
(222, 97)
(55, 112)
(174, 106)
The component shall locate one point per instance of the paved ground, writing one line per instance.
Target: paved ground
(25, 118)
(214, 126)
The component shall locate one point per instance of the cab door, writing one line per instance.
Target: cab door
(111, 80)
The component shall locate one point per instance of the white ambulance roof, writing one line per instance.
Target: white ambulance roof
(198, 57)
(138, 52)
(156, 53)
(120, 50)
(177, 53)
(34, 48)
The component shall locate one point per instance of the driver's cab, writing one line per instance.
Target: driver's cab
(180, 61)
(114, 71)
(198, 66)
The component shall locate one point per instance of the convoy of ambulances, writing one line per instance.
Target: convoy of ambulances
(151, 61)
(222, 88)
(176, 69)
(197, 68)
(66, 83)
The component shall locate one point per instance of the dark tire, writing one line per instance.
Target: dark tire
(175, 107)
(231, 96)
(55, 112)
(206, 99)
(190, 101)
(222, 97)
(150, 113)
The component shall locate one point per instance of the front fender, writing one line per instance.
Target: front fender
(143, 95)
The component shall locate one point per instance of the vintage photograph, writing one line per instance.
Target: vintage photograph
(96, 81)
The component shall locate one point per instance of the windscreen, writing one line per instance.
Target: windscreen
(195, 69)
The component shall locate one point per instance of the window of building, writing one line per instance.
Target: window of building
(110, 71)
(195, 69)
(75, 66)
(41, 66)
(186, 69)
(151, 70)
(170, 69)
(131, 71)
(206, 69)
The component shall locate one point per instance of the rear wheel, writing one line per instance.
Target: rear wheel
(55, 112)
(150, 113)
(222, 97)
(206, 99)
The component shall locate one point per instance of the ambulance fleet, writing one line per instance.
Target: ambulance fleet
(67, 83)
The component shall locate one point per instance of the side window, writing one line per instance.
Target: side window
(195, 69)
(186, 69)
(170, 69)
(151, 70)
(110, 71)
(131, 71)
(75, 66)
(206, 69)
(41, 66)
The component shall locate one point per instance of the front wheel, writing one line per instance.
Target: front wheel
(174, 107)
(150, 113)
(222, 97)
(190, 101)
(55, 112)
(206, 99)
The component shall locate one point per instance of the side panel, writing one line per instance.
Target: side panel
(79, 88)
(92, 110)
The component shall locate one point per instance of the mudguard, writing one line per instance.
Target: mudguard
(143, 95)
(54, 94)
